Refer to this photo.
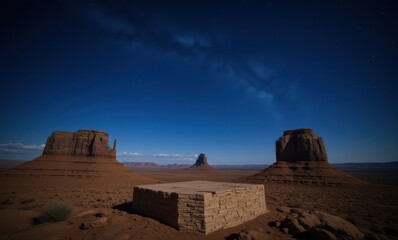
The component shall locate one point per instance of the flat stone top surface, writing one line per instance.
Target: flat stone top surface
(195, 187)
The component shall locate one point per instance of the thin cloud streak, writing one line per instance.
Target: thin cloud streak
(19, 148)
(159, 156)
(247, 72)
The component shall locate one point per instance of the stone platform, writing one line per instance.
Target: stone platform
(200, 206)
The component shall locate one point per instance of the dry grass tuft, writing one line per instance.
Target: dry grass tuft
(54, 213)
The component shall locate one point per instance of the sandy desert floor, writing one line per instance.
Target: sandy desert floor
(372, 208)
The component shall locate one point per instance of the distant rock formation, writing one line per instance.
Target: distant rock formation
(300, 145)
(201, 162)
(301, 158)
(91, 143)
(84, 154)
(150, 165)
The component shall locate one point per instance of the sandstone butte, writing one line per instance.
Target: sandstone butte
(301, 158)
(81, 154)
(201, 163)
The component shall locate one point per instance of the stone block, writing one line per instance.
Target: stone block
(200, 206)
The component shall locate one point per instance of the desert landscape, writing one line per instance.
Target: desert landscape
(99, 192)
(188, 120)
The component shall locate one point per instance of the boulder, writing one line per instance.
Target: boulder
(319, 225)
(253, 234)
(322, 234)
(338, 226)
(308, 220)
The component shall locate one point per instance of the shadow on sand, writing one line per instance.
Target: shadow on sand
(125, 207)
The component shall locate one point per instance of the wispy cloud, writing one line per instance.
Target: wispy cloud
(17, 148)
(159, 156)
(176, 156)
(130, 154)
(194, 42)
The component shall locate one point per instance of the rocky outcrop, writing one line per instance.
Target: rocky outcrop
(300, 145)
(90, 143)
(318, 225)
(301, 158)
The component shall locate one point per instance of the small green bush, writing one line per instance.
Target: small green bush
(54, 213)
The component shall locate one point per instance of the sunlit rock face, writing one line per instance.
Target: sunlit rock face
(81, 143)
(300, 145)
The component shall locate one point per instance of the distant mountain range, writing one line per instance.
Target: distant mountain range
(176, 165)
(344, 166)
(385, 166)
(153, 165)
(389, 166)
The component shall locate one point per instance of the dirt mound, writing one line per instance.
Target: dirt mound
(301, 158)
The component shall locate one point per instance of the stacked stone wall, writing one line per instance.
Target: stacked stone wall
(156, 204)
(202, 212)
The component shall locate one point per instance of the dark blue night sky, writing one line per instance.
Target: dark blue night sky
(221, 77)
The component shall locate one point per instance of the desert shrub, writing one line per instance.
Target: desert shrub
(54, 213)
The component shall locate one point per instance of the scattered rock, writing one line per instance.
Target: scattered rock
(319, 225)
(294, 226)
(338, 226)
(322, 234)
(308, 220)
(276, 224)
(252, 235)
(283, 209)
(100, 214)
(99, 222)
(83, 226)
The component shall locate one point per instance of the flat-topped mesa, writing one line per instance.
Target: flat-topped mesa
(89, 143)
(301, 158)
(300, 145)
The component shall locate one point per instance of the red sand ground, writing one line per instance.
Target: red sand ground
(372, 208)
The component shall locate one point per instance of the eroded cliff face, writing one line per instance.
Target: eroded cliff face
(201, 163)
(301, 158)
(300, 145)
(81, 143)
